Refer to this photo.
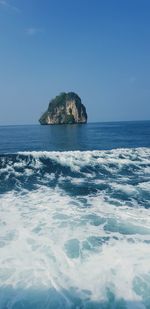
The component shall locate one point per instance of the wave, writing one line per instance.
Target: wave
(121, 175)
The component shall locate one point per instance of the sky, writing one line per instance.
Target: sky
(99, 49)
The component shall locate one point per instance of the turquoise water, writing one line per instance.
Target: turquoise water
(74, 216)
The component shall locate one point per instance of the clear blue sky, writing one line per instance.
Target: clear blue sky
(97, 48)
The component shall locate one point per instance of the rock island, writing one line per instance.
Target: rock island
(66, 108)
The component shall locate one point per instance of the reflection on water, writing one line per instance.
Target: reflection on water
(66, 137)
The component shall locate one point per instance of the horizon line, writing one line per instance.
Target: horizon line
(91, 122)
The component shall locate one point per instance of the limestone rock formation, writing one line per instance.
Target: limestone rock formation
(66, 108)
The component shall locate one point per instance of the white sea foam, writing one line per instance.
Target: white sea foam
(48, 242)
(62, 249)
(145, 186)
(77, 159)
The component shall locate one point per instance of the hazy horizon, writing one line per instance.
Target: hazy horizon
(98, 49)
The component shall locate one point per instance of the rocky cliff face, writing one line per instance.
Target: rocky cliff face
(65, 108)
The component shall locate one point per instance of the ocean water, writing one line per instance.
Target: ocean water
(75, 216)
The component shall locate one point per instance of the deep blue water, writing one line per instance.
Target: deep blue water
(93, 136)
(75, 216)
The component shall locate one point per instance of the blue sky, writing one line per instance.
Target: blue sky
(97, 48)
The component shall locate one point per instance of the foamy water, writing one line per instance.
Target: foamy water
(75, 229)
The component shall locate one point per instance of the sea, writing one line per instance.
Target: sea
(75, 216)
